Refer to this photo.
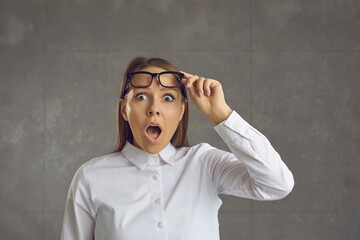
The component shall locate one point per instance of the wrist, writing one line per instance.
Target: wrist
(221, 115)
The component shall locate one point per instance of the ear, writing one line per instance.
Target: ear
(122, 105)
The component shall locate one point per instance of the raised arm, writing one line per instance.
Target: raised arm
(253, 169)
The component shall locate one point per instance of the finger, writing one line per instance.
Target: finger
(199, 86)
(191, 80)
(214, 86)
(185, 81)
(187, 75)
(192, 91)
(207, 83)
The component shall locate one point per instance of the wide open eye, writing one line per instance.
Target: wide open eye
(140, 97)
(169, 98)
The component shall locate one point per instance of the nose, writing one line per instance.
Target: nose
(154, 109)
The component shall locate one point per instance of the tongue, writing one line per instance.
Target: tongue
(153, 132)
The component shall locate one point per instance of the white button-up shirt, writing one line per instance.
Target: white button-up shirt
(172, 195)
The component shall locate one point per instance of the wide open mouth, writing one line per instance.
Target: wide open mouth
(153, 132)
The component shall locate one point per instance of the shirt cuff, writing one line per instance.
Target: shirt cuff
(234, 123)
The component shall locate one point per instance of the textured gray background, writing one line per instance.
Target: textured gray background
(291, 68)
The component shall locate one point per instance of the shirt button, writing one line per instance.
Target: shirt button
(155, 177)
(157, 201)
(156, 157)
(160, 225)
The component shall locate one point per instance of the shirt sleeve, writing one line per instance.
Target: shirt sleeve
(78, 222)
(253, 169)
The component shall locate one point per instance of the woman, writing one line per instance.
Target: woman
(154, 185)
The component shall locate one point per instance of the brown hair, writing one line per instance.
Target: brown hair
(179, 138)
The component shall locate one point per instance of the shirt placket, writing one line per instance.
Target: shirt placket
(157, 200)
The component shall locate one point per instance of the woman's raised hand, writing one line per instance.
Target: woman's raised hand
(208, 96)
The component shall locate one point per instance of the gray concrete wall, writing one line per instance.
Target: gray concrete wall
(290, 68)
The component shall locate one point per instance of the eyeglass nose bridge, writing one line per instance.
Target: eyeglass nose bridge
(158, 77)
(155, 75)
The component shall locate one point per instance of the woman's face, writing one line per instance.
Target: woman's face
(153, 113)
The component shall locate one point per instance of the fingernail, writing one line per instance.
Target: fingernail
(188, 84)
(200, 93)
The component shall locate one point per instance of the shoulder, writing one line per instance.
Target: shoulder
(201, 147)
(202, 151)
(198, 148)
(104, 161)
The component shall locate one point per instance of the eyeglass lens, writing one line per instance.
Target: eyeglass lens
(166, 79)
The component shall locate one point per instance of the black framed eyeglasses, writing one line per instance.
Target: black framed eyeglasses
(143, 79)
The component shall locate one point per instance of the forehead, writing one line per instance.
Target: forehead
(154, 69)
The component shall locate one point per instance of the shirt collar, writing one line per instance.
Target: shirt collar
(141, 158)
